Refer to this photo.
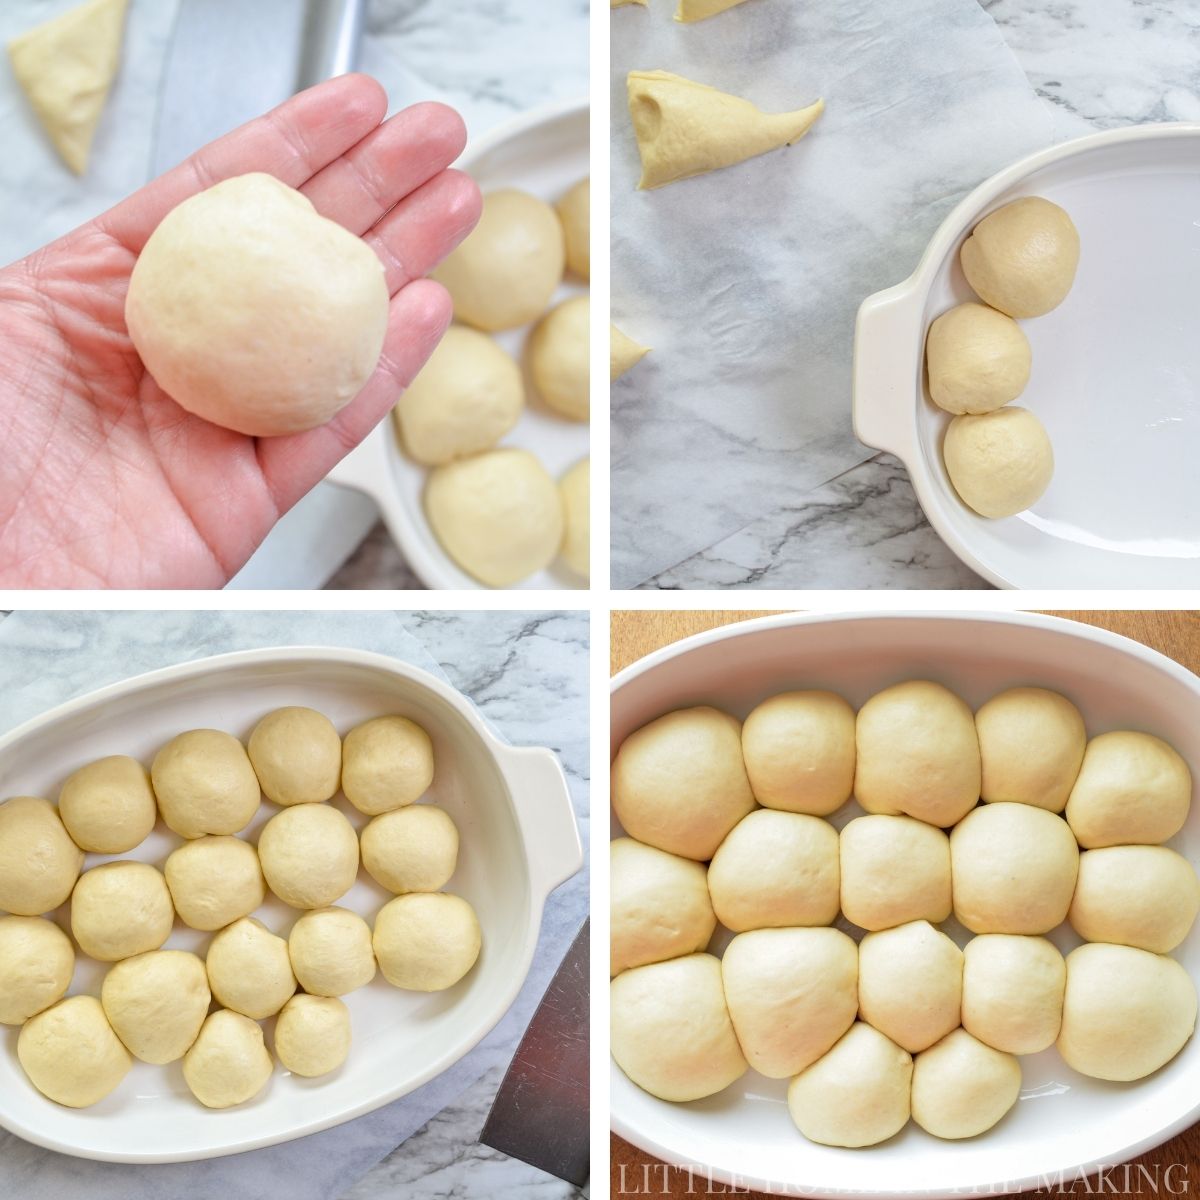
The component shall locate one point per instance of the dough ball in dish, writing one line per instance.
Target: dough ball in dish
(39, 863)
(1126, 1012)
(156, 1003)
(331, 952)
(426, 941)
(297, 755)
(37, 961)
(205, 783)
(1013, 991)
(558, 358)
(574, 211)
(894, 870)
(108, 806)
(228, 1063)
(1000, 463)
(312, 1035)
(670, 1028)
(791, 994)
(253, 311)
(679, 783)
(214, 880)
(623, 353)
(120, 909)
(387, 762)
(249, 969)
(978, 359)
(774, 869)
(575, 489)
(71, 1054)
(309, 855)
(413, 849)
(961, 1087)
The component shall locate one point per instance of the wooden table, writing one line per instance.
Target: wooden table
(1176, 634)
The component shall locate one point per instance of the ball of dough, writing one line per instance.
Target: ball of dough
(978, 359)
(120, 909)
(1013, 991)
(910, 984)
(960, 1087)
(297, 755)
(1000, 463)
(250, 970)
(799, 752)
(37, 961)
(331, 952)
(894, 870)
(413, 849)
(156, 1003)
(1031, 744)
(498, 515)
(39, 863)
(228, 1063)
(917, 754)
(658, 906)
(857, 1094)
(426, 941)
(1014, 869)
(312, 1035)
(205, 783)
(108, 806)
(574, 211)
(1132, 789)
(558, 358)
(309, 855)
(670, 1028)
(71, 1054)
(505, 271)
(575, 489)
(468, 395)
(214, 880)
(776, 868)
(679, 783)
(1126, 1012)
(1022, 258)
(387, 762)
(791, 993)
(253, 311)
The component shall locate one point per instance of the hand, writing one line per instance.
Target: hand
(104, 480)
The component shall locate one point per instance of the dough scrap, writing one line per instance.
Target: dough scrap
(699, 10)
(623, 352)
(1000, 462)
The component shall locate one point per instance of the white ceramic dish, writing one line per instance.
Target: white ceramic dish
(543, 152)
(518, 842)
(1116, 371)
(1064, 1123)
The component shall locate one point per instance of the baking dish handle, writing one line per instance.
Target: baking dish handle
(887, 359)
(365, 468)
(543, 802)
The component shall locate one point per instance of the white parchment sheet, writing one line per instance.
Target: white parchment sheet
(746, 281)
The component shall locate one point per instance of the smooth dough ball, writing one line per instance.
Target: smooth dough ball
(253, 311)
(505, 271)
(1133, 789)
(312, 1035)
(679, 783)
(1126, 1012)
(205, 783)
(426, 941)
(71, 1054)
(39, 863)
(249, 969)
(894, 870)
(575, 489)
(120, 909)
(961, 1087)
(917, 754)
(228, 1063)
(413, 849)
(670, 1028)
(214, 880)
(574, 211)
(558, 358)
(387, 762)
(309, 855)
(1000, 463)
(1022, 258)
(978, 359)
(37, 961)
(499, 515)
(1013, 991)
(297, 755)
(331, 952)
(857, 1094)
(773, 869)
(108, 806)
(156, 1003)
(658, 906)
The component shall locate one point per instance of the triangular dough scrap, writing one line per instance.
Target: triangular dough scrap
(685, 128)
(623, 352)
(66, 66)
(622, 3)
(699, 10)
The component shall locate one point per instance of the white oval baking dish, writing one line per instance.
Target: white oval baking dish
(1116, 371)
(1063, 1123)
(518, 842)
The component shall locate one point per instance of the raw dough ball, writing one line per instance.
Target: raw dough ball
(37, 961)
(917, 754)
(776, 868)
(108, 806)
(894, 870)
(205, 783)
(120, 909)
(297, 755)
(574, 211)
(413, 849)
(623, 353)
(387, 762)
(857, 1094)
(671, 1032)
(38, 861)
(498, 515)
(799, 752)
(1000, 463)
(249, 969)
(575, 489)
(505, 271)
(791, 994)
(910, 984)
(960, 1087)
(228, 1063)
(331, 953)
(253, 311)
(1132, 788)
(558, 358)
(71, 1054)
(679, 782)
(978, 359)
(1021, 258)
(1126, 1011)
(426, 941)
(1014, 869)
(309, 855)
(156, 1003)
(312, 1035)
(658, 906)
(214, 880)
(1013, 991)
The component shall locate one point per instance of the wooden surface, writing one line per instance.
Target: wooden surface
(1176, 634)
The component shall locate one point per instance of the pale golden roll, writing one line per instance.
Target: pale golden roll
(37, 962)
(39, 863)
(962, 1087)
(108, 806)
(1013, 991)
(71, 1053)
(894, 870)
(120, 909)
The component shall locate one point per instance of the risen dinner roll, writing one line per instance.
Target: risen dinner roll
(1013, 991)
(39, 863)
(214, 880)
(1000, 462)
(205, 783)
(575, 489)
(574, 210)
(71, 1054)
(297, 755)
(37, 961)
(249, 969)
(387, 762)
(331, 953)
(894, 870)
(412, 849)
(978, 359)
(108, 806)
(558, 358)
(156, 1003)
(960, 1087)
(426, 941)
(309, 855)
(312, 1035)
(228, 1063)
(120, 909)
